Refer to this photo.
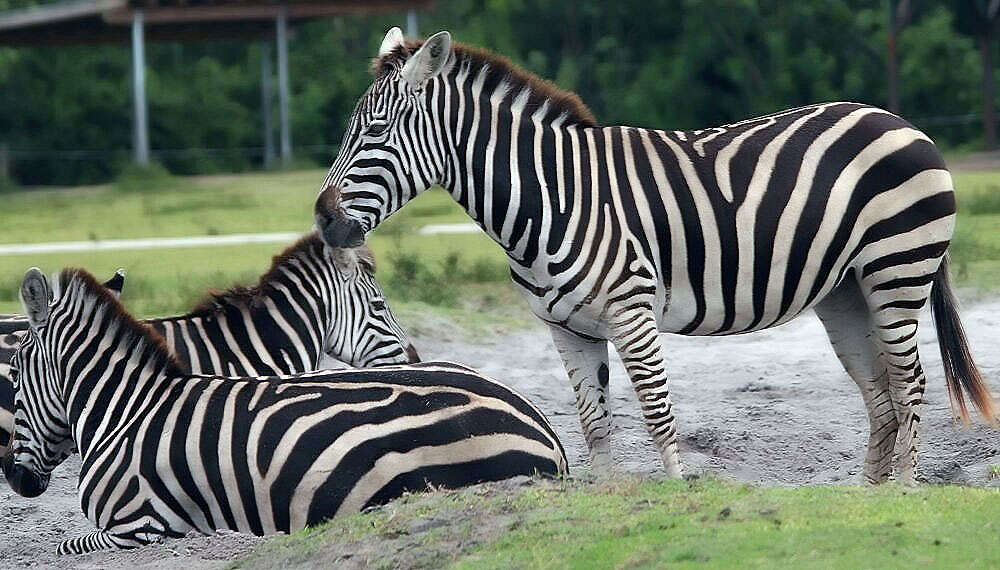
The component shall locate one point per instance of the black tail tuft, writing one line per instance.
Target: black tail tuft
(959, 369)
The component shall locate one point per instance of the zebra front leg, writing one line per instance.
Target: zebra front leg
(96, 541)
(637, 339)
(587, 367)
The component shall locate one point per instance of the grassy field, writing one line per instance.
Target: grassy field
(647, 524)
(414, 269)
(458, 272)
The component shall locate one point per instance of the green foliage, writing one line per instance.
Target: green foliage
(152, 177)
(441, 282)
(8, 184)
(693, 64)
(982, 201)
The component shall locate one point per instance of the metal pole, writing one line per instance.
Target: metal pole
(140, 123)
(4, 162)
(411, 23)
(283, 94)
(266, 101)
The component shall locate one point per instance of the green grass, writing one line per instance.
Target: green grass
(646, 524)
(436, 270)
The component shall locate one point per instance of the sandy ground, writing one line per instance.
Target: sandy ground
(773, 407)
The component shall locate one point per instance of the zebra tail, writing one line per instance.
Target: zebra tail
(962, 375)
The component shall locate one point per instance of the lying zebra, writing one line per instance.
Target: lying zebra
(165, 452)
(313, 301)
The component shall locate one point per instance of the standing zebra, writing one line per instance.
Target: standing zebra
(313, 301)
(165, 452)
(618, 233)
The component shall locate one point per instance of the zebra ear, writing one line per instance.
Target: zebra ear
(429, 60)
(116, 284)
(35, 297)
(393, 39)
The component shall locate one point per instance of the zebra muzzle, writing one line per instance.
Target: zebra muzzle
(340, 231)
(22, 480)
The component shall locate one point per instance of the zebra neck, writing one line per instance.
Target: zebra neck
(116, 389)
(516, 173)
(260, 335)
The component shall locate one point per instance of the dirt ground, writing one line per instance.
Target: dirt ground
(772, 407)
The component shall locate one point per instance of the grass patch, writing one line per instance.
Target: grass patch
(430, 272)
(647, 524)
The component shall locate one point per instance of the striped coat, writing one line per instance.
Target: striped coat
(615, 234)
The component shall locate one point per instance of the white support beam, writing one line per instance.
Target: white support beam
(284, 95)
(411, 23)
(140, 119)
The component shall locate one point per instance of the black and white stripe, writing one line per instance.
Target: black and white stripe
(11, 329)
(164, 452)
(314, 302)
(619, 233)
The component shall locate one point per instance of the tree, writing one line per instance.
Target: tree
(978, 18)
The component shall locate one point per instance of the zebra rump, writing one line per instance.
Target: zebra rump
(165, 452)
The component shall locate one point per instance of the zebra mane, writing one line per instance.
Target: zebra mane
(80, 279)
(310, 245)
(503, 69)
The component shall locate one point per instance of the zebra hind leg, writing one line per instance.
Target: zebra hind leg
(847, 321)
(587, 367)
(637, 339)
(896, 314)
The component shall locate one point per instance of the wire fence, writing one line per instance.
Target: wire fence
(966, 125)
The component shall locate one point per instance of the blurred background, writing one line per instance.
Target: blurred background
(219, 161)
(66, 110)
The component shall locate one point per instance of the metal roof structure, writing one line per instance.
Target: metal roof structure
(115, 21)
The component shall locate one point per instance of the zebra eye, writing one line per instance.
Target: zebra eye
(378, 305)
(376, 128)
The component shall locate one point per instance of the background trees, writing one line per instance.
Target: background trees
(667, 63)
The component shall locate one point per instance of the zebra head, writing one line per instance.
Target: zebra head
(364, 332)
(12, 329)
(42, 438)
(394, 146)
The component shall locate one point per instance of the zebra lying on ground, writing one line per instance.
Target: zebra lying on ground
(618, 233)
(164, 452)
(313, 301)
